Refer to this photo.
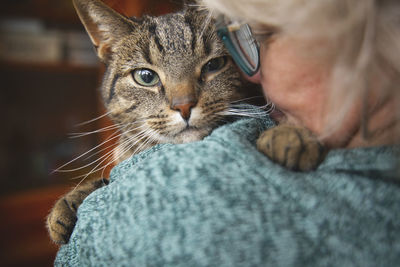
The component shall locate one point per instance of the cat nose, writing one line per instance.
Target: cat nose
(184, 109)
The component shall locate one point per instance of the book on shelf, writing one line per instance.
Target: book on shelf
(29, 41)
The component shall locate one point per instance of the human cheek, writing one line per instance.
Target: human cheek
(272, 74)
(292, 82)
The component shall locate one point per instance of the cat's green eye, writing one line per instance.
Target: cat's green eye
(214, 65)
(146, 77)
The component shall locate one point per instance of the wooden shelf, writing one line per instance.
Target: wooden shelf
(24, 239)
(49, 67)
(50, 11)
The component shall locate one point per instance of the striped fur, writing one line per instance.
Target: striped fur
(185, 106)
(177, 47)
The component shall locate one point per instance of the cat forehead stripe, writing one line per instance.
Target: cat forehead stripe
(156, 38)
(172, 34)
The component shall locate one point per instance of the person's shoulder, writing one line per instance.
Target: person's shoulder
(230, 142)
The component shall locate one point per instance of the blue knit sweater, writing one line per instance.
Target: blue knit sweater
(219, 202)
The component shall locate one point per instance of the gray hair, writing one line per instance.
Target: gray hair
(365, 35)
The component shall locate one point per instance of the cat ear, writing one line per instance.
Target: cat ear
(104, 25)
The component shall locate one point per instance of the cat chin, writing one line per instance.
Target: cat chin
(189, 135)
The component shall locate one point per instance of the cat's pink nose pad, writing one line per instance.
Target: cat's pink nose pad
(184, 109)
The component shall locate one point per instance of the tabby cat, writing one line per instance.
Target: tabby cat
(168, 79)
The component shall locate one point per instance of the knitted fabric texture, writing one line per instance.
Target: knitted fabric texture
(220, 202)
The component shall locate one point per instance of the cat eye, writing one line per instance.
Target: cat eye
(214, 65)
(146, 77)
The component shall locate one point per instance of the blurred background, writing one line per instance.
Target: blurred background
(49, 79)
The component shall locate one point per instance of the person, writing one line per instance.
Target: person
(330, 66)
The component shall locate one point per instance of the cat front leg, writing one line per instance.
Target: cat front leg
(62, 218)
(293, 147)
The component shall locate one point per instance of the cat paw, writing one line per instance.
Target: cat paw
(295, 148)
(61, 220)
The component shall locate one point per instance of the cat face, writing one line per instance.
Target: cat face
(174, 79)
(168, 79)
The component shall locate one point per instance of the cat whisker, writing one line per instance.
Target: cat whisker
(111, 137)
(254, 111)
(245, 110)
(244, 106)
(87, 165)
(84, 176)
(244, 114)
(108, 128)
(100, 151)
(207, 22)
(95, 119)
(200, 7)
(103, 169)
(127, 146)
(146, 136)
(133, 140)
(195, 5)
(115, 144)
(150, 134)
(107, 157)
(247, 98)
(122, 133)
(249, 109)
(91, 163)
